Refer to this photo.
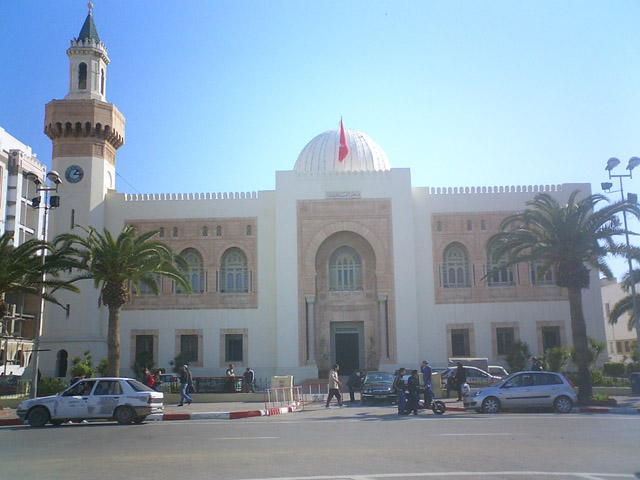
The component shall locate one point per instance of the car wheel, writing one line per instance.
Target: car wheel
(491, 405)
(563, 404)
(139, 419)
(124, 415)
(57, 423)
(38, 417)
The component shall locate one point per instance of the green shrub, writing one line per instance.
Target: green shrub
(518, 357)
(177, 362)
(556, 358)
(101, 368)
(50, 386)
(82, 367)
(632, 367)
(613, 369)
(596, 378)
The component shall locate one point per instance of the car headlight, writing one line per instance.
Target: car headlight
(367, 390)
(476, 393)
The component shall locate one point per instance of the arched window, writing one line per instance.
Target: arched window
(455, 270)
(82, 76)
(500, 278)
(102, 82)
(439, 226)
(61, 363)
(248, 229)
(218, 231)
(469, 225)
(205, 232)
(547, 279)
(345, 270)
(483, 225)
(175, 231)
(196, 270)
(234, 275)
(161, 232)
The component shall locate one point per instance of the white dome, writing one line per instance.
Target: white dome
(321, 154)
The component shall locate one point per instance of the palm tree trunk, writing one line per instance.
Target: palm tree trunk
(580, 343)
(113, 342)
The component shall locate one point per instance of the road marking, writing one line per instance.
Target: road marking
(579, 475)
(244, 438)
(477, 434)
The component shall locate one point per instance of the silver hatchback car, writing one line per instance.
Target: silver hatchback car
(523, 390)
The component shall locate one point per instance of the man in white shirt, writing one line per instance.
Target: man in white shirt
(334, 386)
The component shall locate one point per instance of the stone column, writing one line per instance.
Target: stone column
(311, 338)
(382, 314)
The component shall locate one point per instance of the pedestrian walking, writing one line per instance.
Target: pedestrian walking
(157, 380)
(354, 383)
(461, 379)
(249, 380)
(147, 378)
(186, 384)
(334, 386)
(229, 381)
(413, 386)
(426, 370)
(398, 388)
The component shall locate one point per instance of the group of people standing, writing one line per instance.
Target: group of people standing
(409, 393)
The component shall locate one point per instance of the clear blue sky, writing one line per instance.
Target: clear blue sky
(218, 95)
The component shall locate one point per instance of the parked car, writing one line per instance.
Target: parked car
(122, 399)
(378, 386)
(475, 377)
(498, 371)
(524, 390)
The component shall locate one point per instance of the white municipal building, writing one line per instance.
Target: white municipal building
(344, 262)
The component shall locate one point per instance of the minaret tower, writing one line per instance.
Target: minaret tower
(85, 131)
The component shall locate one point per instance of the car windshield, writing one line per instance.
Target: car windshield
(379, 378)
(139, 387)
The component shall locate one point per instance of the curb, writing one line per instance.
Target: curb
(170, 417)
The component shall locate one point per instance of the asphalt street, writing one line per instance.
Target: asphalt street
(350, 443)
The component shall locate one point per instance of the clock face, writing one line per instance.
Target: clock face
(74, 174)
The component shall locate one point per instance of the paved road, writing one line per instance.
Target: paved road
(357, 443)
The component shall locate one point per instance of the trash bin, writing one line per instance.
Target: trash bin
(634, 378)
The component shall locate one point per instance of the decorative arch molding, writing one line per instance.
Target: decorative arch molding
(366, 226)
(325, 232)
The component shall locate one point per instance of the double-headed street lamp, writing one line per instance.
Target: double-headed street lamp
(612, 163)
(50, 201)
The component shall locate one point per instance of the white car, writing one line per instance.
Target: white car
(124, 399)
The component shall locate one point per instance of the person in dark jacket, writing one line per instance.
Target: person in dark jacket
(461, 379)
(186, 383)
(413, 385)
(398, 388)
(425, 368)
(354, 383)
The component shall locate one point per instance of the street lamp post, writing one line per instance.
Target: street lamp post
(612, 163)
(50, 201)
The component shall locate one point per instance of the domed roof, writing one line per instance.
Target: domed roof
(321, 154)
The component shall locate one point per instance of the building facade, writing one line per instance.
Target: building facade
(18, 217)
(343, 262)
(620, 340)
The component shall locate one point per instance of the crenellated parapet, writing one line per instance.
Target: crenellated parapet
(84, 128)
(150, 197)
(495, 189)
(80, 47)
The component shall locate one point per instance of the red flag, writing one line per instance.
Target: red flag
(344, 148)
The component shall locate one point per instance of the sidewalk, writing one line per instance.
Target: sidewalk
(233, 410)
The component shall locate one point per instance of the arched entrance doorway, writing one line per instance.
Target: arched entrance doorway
(347, 323)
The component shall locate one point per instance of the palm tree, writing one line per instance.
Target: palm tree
(568, 239)
(114, 264)
(625, 305)
(22, 269)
